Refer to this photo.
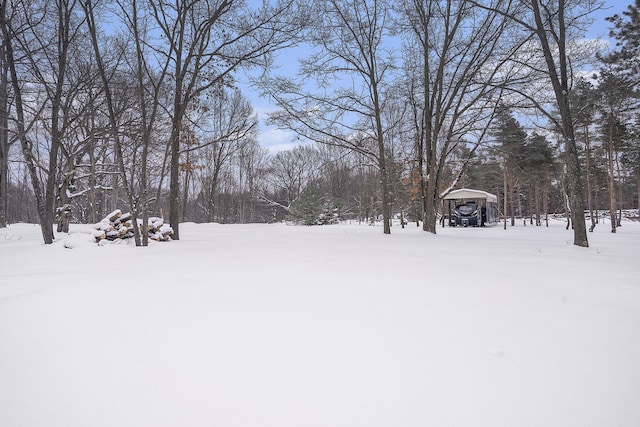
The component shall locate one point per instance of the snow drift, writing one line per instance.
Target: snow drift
(275, 325)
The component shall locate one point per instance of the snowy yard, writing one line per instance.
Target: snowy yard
(284, 326)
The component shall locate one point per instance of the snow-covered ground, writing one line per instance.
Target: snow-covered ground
(285, 326)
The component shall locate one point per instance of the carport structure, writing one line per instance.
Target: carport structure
(466, 207)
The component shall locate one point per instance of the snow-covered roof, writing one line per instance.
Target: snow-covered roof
(466, 193)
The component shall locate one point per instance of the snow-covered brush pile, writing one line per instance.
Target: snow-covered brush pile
(118, 225)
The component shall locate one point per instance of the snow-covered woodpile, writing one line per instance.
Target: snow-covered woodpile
(118, 225)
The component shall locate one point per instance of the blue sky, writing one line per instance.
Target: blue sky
(600, 27)
(280, 139)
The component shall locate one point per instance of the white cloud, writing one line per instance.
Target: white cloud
(273, 136)
(276, 139)
(262, 109)
(274, 149)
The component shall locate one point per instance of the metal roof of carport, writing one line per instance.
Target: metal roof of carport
(466, 193)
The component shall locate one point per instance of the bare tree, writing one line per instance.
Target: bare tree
(38, 44)
(206, 42)
(616, 99)
(151, 72)
(112, 82)
(555, 25)
(93, 177)
(349, 70)
(550, 26)
(251, 160)
(230, 125)
(14, 25)
(583, 101)
(455, 66)
(290, 172)
(5, 141)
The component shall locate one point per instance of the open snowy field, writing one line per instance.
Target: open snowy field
(286, 326)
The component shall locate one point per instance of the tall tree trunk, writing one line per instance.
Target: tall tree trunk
(4, 173)
(147, 124)
(4, 135)
(588, 178)
(382, 161)
(531, 202)
(27, 149)
(619, 200)
(57, 128)
(185, 196)
(512, 193)
(612, 180)
(545, 195)
(427, 155)
(174, 174)
(91, 195)
(559, 77)
(430, 220)
(537, 204)
(506, 191)
(63, 212)
(113, 124)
